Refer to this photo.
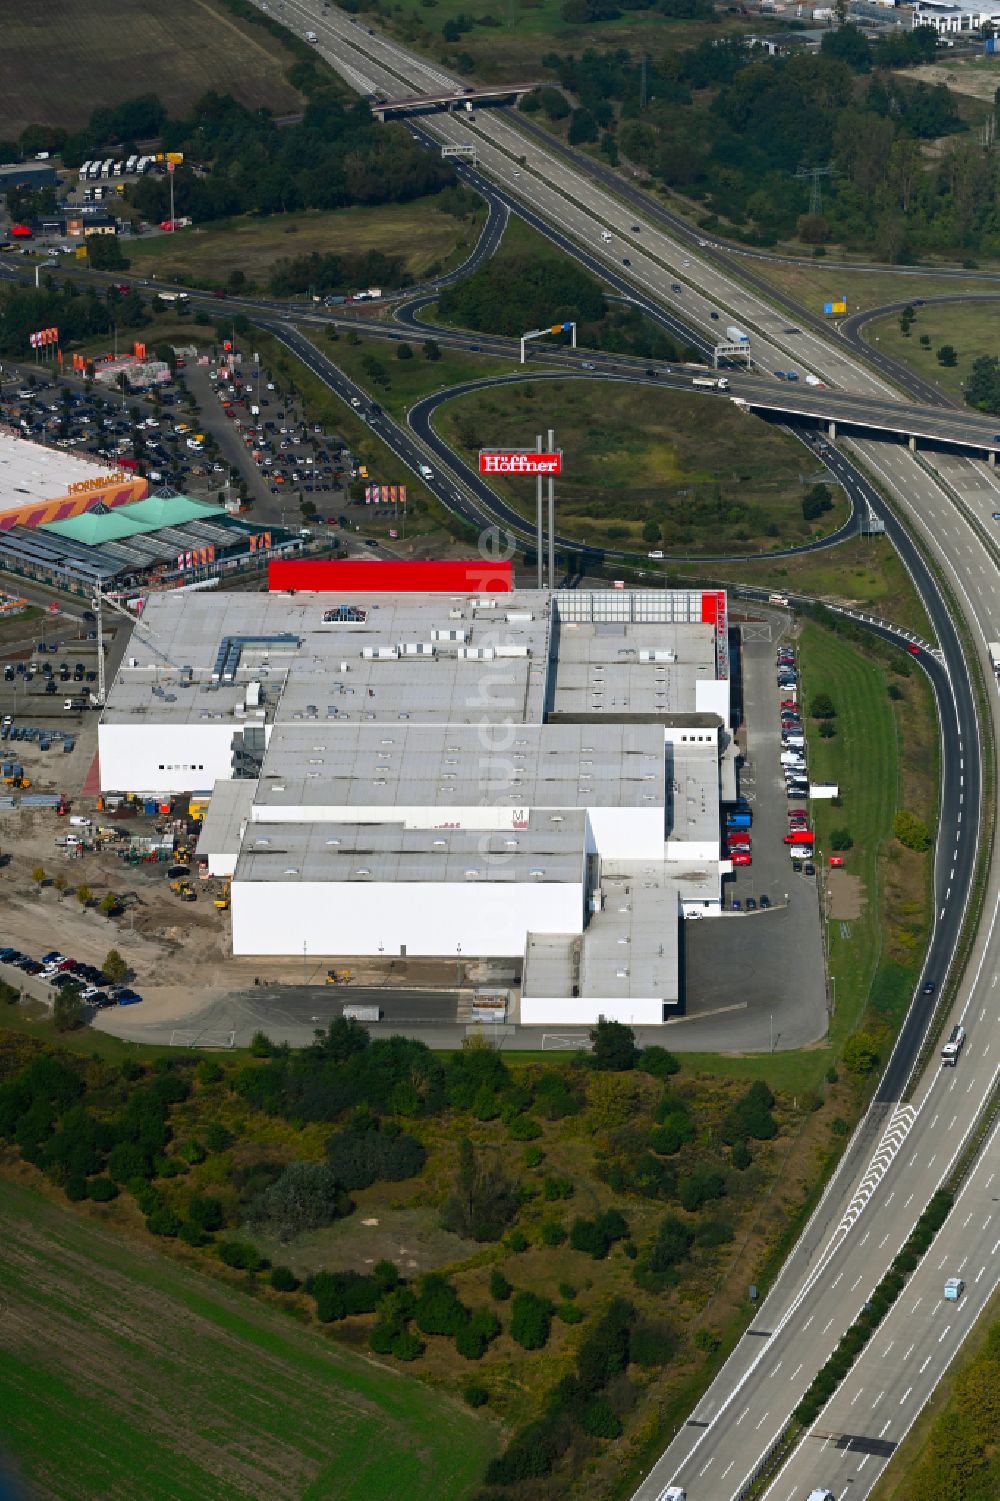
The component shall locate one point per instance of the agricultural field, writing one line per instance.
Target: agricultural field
(663, 469)
(486, 1227)
(424, 239)
(60, 62)
(118, 1363)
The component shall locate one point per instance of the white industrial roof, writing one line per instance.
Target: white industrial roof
(30, 472)
(407, 765)
(544, 852)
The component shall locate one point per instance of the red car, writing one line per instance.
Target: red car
(739, 857)
(836, 859)
(797, 813)
(913, 649)
(738, 841)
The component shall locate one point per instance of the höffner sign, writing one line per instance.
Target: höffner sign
(492, 461)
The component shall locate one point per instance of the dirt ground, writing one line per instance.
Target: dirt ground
(971, 78)
(845, 896)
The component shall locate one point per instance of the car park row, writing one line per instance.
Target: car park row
(95, 988)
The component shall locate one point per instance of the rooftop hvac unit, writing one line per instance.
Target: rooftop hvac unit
(518, 615)
(380, 653)
(344, 667)
(477, 653)
(657, 656)
(513, 651)
(417, 649)
(483, 602)
(454, 614)
(253, 695)
(438, 634)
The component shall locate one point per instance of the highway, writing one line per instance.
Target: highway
(901, 1151)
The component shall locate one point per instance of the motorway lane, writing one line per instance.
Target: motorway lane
(855, 1436)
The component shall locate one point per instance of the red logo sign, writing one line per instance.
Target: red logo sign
(491, 462)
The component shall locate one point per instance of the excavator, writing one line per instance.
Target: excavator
(184, 890)
(222, 900)
(339, 976)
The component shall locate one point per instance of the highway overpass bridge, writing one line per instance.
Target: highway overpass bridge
(450, 99)
(953, 428)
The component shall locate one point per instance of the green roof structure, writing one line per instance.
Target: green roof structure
(101, 524)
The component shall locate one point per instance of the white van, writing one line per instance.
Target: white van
(605, 236)
(77, 822)
(425, 471)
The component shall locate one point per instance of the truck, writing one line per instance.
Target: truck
(180, 298)
(311, 36)
(362, 1013)
(952, 1048)
(736, 335)
(714, 383)
(739, 818)
(777, 599)
(801, 836)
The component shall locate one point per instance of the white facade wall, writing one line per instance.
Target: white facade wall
(413, 817)
(712, 697)
(697, 851)
(586, 1011)
(369, 917)
(164, 757)
(626, 833)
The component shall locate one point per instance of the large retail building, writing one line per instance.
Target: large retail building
(520, 774)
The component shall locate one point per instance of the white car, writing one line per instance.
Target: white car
(656, 556)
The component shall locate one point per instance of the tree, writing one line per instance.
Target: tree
(307, 1196)
(612, 1046)
(827, 729)
(484, 1200)
(861, 1054)
(84, 895)
(68, 1009)
(840, 839)
(597, 1236)
(651, 533)
(822, 707)
(38, 875)
(60, 883)
(500, 1288)
(531, 1320)
(432, 350)
(947, 355)
(108, 903)
(114, 966)
(911, 831)
(404, 352)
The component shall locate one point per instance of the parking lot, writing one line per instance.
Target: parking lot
(756, 979)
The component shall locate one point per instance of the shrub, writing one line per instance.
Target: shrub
(707, 1340)
(668, 1138)
(340, 1294)
(474, 1340)
(239, 1254)
(533, 1156)
(822, 707)
(555, 1187)
(210, 1071)
(569, 1313)
(696, 1188)
(217, 1137)
(484, 1200)
(523, 1128)
(306, 1196)
(598, 1235)
(517, 1241)
(475, 1394)
(75, 1189)
(163, 1221)
(861, 1054)
(438, 1309)
(206, 1211)
(192, 1234)
(599, 1419)
(531, 1320)
(101, 1190)
(553, 1232)
(911, 831)
(658, 1062)
(840, 839)
(358, 1158)
(556, 1095)
(284, 1280)
(740, 1156)
(407, 1346)
(500, 1288)
(751, 1116)
(714, 1233)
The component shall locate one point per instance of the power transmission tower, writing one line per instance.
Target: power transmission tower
(814, 176)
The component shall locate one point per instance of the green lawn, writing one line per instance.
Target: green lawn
(971, 328)
(125, 1374)
(815, 285)
(418, 233)
(397, 383)
(693, 467)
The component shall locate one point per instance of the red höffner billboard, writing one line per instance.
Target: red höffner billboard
(492, 461)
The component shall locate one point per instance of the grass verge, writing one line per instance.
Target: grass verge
(968, 327)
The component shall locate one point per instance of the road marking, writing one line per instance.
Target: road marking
(885, 1430)
(868, 1232)
(729, 1466)
(944, 1332)
(925, 1365)
(826, 1326)
(706, 1465)
(980, 1273)
(882, 1241)
(888, 1347)
(763, 1420)
(838, 1278)
(808, 1321)
(908, 1353)
(857, 1394)
(796, 1371)
(908, 1202)
(905, 1395)
(878, 1399)
(742, 1416)
(913, 1310)
(856, 1281)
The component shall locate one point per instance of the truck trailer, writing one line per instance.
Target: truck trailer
(736, 335)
